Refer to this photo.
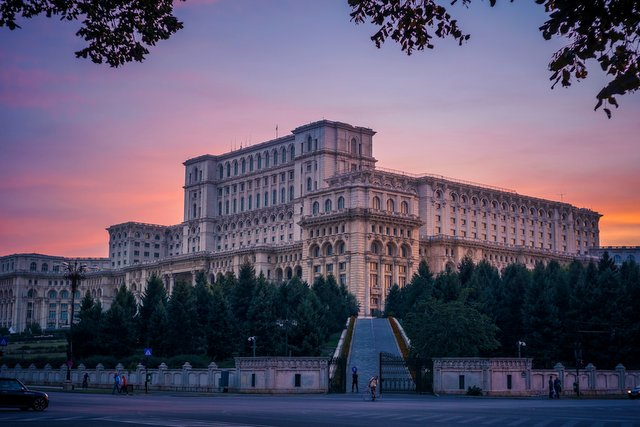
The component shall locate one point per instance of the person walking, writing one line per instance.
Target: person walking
(123, 382)
(85, 380)
(557, 387)
(354, 379)
(551, 387)
(116, 383)
(373, 385)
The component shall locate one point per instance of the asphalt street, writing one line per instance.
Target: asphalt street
(183, 410)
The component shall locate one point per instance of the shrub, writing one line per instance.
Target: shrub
(474, 391)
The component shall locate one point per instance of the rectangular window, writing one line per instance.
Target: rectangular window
(298, 380)
(461, 382)
(509, 382)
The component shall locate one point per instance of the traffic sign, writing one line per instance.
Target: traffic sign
(147, 352)
(4, 341)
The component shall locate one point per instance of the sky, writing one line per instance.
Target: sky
(85, 146)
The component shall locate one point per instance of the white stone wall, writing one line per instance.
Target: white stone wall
(278, 375)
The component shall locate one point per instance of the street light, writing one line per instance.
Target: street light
(75, 273)
(286, 324)
(520, 345)
(253, 339)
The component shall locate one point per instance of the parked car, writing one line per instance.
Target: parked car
(14, 394)
(634, 393)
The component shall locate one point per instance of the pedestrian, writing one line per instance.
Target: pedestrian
(551, 388)
(116, 383)
(85, 380)
(373, 385)
(354, 379)
(123, 382)
(557, 387)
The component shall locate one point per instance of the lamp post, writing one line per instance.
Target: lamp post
(253, 340)
(520, 345)
(286, 324)
(577, 351)
(75, 273)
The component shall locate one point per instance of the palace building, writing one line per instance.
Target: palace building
(313, 203)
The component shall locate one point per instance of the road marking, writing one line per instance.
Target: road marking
(471, 420)
(518, 422)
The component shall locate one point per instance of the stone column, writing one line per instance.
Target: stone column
(591, 373)
(620, 369)
(560, 370)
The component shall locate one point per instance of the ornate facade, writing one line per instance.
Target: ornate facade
(313, 203)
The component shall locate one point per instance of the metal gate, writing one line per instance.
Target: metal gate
(338, 375)
(400, 375)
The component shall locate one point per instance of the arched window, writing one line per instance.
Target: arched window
(316, 208)
(404, 207)
(391, 205)
(309, 143)
(376, 248)
(327, 205)
(340, 248)
(251, 164)
(405, 251)
(376, 202)
(284, 155)
(228, 169)
(266, 159)
(292, 152)
(64, 294)
(266, 199)
(45, 266)
(631, 258)
(52, 294)
(391, 249)
(291, 193)
(31, 294)
(354, 146)
(33, 266)
(283, 195)
(244, 166)
(259, 161)
(226, 207)
(328, 250)
(249, 200)
(274, 197)
(340, 203)
(219, 208)
(275, 157)
(258, 201)
(241, 204)
(221, 171)
(235, 167)
(308, 184)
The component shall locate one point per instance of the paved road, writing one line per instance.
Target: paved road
(166, 410)
(370, 337)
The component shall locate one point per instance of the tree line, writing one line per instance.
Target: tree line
(216, 319)
(573, 314)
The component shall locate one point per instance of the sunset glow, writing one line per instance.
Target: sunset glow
(84, 146)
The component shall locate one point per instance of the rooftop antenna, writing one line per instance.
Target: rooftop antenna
(276, 131)
(562, 197)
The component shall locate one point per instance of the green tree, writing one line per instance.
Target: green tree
(242, 293)
(181, 310)
(223, 334)
(393, 304)
(541, 324)
(449, 329)
(604, 31)
(203, 299)
(87, 334)
(117, 32)
(152, 315)
(309, 332)
(118, 337)
(507, 308)
(261, 319)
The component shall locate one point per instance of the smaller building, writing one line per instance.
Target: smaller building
(619, 254)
